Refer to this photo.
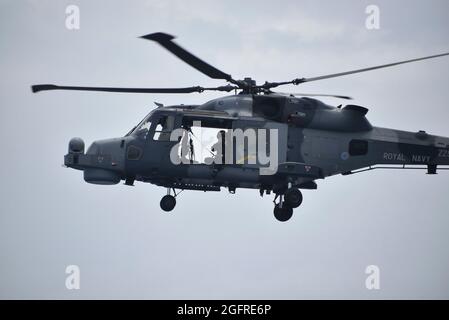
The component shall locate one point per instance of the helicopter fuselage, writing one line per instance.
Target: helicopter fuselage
(314, 141)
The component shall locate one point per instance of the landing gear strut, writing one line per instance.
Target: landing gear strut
(283, 210)
(168, 202)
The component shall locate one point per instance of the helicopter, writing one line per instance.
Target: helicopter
(311, 140)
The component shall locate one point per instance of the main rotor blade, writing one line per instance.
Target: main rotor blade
(165, 40)
(44, 87)
(315, 95)
(301, 80)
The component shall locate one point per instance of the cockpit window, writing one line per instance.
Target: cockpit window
(155, 126)
(164, 128)
(142, 129)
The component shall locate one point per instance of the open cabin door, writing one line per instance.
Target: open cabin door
(202, 137)
(231, 141)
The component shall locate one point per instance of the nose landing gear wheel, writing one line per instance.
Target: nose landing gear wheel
(293, 197)
(283, 214)
(168, 203)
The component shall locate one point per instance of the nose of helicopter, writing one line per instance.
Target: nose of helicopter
(103, 163)
(108, 160)
(113, 148)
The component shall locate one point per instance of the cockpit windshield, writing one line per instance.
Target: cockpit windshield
(142, 128)
(158, 125)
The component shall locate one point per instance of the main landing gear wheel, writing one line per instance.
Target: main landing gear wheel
(283, 213)
(168, 202)
(293, 197)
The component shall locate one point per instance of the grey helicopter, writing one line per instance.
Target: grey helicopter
(312, 140)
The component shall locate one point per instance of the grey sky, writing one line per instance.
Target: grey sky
(215, 245)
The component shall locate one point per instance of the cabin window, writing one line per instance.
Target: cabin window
(358, 147)
(164, 127)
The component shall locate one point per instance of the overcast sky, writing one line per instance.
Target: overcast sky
(216, 245)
